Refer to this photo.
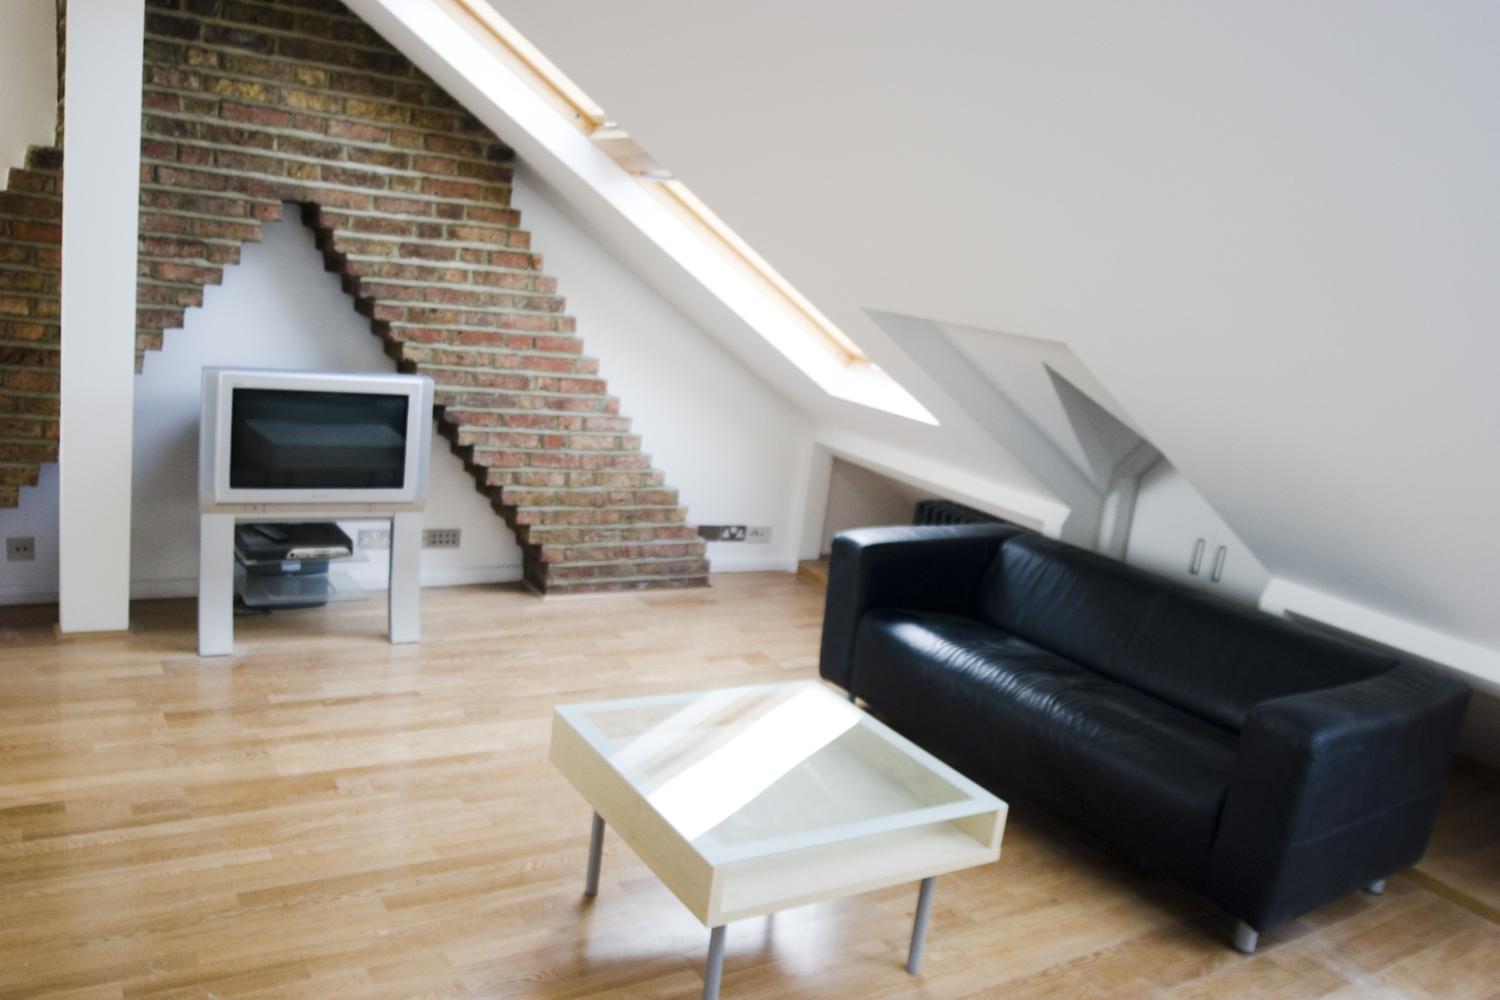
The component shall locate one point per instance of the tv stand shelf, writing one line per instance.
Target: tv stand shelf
(216, 584)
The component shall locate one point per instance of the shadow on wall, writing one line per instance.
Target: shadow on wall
(859, 498)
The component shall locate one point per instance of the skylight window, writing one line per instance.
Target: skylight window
(766, 301)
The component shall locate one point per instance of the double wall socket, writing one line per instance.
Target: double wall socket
(432, 538)
(760, 535)
(440, 538)
(20, 549)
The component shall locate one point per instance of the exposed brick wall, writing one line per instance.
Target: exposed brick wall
(249, 104)
(30, 268)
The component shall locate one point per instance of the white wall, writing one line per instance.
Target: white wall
(1170, 518)
(859, 498)
(28, 78)
(32, 582)
(733, 447)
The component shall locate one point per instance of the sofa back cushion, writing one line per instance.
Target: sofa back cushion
(1193, 650)
(1063, 599)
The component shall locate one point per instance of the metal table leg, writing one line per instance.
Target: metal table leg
(919, 926)
(714, 971)
(596, 855)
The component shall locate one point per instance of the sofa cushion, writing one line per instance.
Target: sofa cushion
(1127, 767)
(1194, 650)
(1063, 599)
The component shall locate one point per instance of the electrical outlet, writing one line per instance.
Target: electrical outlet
(721, 532)
(759, 536)
(375, 538)
(20, 549)
(440, 538)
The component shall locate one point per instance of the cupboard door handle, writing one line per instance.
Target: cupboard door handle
(1197, 561)
(1219, 557)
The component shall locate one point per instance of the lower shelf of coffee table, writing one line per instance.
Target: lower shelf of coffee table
(777, 882)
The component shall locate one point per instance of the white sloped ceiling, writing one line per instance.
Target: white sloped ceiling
(1271, 233)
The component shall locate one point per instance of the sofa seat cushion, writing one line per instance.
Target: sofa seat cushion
(1127, 767)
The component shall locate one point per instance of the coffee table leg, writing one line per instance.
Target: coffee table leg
(715, 968)
(919, 926)
(596, 855)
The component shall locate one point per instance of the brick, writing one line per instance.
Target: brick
(393, 159)
(29, 381)
(233, 135)
(201, 57)
(239, 38)
(243, 90)
(255, 14)
(360, 83)
(350, 177)
(172, 27)
(168, 200)
(166, 271)
(34, 232)
(22, 472)
(307, 100)
(360, 131)
(252, 163)
(298, 145)
(455, 146)
(389, 114)
(256, 115)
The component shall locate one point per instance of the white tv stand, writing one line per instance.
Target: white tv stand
(216, 568)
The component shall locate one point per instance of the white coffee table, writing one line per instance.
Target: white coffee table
(750, 800)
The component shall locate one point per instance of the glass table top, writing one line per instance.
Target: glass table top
(747, 772)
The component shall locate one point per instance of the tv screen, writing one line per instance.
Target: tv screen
(282, 439)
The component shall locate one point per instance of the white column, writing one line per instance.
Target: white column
(405, 586)
(215, 584)
(101, 191)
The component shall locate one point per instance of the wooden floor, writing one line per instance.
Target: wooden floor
(326, 815)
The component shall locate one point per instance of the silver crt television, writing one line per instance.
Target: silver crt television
(274, 441)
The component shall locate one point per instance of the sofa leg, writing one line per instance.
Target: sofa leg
(849, 695)
(1376, 887)
(1245, 938)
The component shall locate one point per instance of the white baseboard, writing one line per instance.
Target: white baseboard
(375, 579)
(147, 590)
(150, 590)
(747, 562)
(24, 595)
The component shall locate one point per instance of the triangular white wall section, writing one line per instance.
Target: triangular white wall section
(278, 308)
(1271, 234)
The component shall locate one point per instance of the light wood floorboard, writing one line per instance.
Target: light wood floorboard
(326, 815)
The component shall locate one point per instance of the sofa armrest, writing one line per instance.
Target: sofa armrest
(1332, 790)
(920, 568)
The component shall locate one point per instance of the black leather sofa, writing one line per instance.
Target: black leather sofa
(1270, 767)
